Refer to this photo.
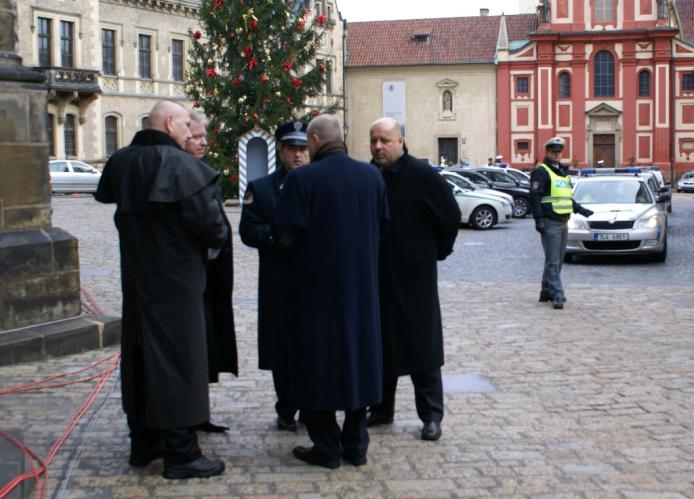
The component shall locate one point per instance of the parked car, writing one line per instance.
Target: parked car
(72, 176)
(686, 182)
(652, 175)
(464, 183)
(480, 211)
(626, 221)
(521, 195)
(503, 174)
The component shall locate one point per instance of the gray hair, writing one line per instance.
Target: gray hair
(326, 126)
(200, 118)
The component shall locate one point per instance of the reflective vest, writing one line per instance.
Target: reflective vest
(561, 193)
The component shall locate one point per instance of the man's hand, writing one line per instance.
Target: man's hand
(540, 225)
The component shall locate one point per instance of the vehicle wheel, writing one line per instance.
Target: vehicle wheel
(483, 218)
(660, 257)
(520, 207)
(568, 257)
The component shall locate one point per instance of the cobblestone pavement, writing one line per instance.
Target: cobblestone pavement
(594, 401)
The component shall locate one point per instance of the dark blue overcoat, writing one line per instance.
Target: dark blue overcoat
(332, 212)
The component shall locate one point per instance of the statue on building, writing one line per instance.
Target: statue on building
(447, 101)
(543, 11)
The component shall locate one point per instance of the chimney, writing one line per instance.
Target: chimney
(484, 12)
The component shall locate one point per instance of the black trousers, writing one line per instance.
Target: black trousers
(180, 445)
(428, 395)
(327, 437)
(284, 408)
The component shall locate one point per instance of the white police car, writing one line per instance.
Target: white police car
(686, 182)
(626, 221)
(480, 210)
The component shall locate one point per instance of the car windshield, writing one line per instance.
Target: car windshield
(460, 182)
(517, 175)
(688, 175)
(624, 191)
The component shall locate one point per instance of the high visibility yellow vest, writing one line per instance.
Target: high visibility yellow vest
(561, 193)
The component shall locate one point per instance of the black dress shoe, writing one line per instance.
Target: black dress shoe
(378, 418)
(353, 459)
(431, 431)
(545, 297)
(558, 303)
(201, 467)
(286, 424)
(210, 427)
(140, 459)
(310, 456)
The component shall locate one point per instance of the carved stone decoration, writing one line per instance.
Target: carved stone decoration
(446, 95)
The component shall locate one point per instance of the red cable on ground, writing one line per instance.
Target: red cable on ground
(92, 307)
(40, 474)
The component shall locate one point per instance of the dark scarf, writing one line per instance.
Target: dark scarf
(151, 137)
(329, 148)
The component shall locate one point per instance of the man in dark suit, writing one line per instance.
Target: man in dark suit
(259, 203)
(331, 214)
(219, 314)
(424, 224)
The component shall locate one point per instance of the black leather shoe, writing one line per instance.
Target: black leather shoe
(140, 459)
(354, 460)
(544, 297)
(557, 303)
(310, 456)
(201, 467)
(212, 427)
(286, 424)
(378, 418)
(431, 431)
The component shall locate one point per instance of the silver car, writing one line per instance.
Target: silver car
(73, 176)
(626, 221)
(686, 182)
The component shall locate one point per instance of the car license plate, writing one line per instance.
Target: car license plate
(611, 237)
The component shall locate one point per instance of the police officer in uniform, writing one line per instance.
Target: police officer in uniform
(256, 215)
(551, 202)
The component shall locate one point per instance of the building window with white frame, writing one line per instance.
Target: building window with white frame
(644, 83)
(67, 44)
(177, 60)
(111, 133)
(603, 84)
(145, 56)
(564, 85)
(70, 135)
(604, 10)
(108, 51)
(45, 44)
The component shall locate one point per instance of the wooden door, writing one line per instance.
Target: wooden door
(448, 151)
(604, 149)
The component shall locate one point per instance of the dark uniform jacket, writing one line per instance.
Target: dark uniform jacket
(273, 300)
(332, 212)
(540, 186)
(167, 217)
(425, 219)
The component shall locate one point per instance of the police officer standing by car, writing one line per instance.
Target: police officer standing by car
(256, 215)
(551, 202)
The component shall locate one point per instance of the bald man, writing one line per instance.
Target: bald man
(330, 215)
(424, 224)
(168, 218)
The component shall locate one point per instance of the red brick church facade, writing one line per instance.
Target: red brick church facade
(614, 78)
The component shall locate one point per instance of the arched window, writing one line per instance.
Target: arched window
(564, 84)
(603, 82)
(644, 83)
(111, 131)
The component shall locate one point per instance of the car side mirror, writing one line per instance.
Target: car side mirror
(457, 190)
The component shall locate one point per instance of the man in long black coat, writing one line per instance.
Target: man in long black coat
(219, 314)
(424, 224)
(168, 217)
(331, 212)
(273, 298)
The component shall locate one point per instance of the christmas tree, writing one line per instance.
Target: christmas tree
(253, 63)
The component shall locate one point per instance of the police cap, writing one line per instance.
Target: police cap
(555, 144)
(292, 133)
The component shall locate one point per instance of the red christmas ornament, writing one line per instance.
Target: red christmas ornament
(266, 101)
(236, 81)
(300, 26)
(264, 78)
(297, 83)
(234, 179)
(218, 3)
(288, 65)
(211, 72)
(321, 20)
(252, 63)
(254, 25)
(315, 113)
(212, 144)
(255, 116)
(321, 68)
(246, 52)
(197, 35)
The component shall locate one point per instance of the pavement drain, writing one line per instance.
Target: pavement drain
(96, 272)
(12, 464)
(681, 302)
(466, 383)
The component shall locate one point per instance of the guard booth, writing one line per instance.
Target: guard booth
(256, 157)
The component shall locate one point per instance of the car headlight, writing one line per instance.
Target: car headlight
(649, 220)
(578, 222)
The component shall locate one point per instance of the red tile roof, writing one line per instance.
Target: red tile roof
(685, 9)
(453, 40)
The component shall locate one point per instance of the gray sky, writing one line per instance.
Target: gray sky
(376, 10)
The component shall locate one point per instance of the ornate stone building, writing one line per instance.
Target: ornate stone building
(109, 61)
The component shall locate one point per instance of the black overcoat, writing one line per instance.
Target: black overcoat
(167, 217)
(255, 230)
(219, 313)
(424, 224)
(332, 212)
